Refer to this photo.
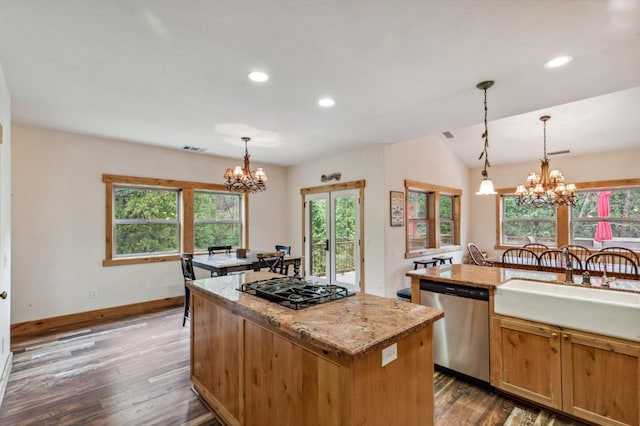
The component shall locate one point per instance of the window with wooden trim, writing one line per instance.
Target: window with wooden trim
(557, 226)
(154, 220)
(433, 218)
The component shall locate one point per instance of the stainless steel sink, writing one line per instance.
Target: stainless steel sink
(596, 310)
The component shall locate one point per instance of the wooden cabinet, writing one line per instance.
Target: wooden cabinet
(592, 377)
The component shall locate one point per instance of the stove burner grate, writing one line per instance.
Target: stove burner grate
(295, 293)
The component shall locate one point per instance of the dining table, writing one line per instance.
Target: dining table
(221, 264)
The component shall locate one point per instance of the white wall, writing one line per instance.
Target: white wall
(59, 220)
(363, 163)
(5, 225)
(426, 160)
(622, 164)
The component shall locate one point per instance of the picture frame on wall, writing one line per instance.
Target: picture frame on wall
(397, 208)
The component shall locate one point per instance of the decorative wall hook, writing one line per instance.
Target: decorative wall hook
(326, 178)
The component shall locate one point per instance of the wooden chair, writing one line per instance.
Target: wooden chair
(219, 249)
(581, 251)
(521, 258)
(615, 264)
(623, 251)
(477, 256)
(554, 261)
(285, 249)
(186, 259)
(537, 247)
(273, 261)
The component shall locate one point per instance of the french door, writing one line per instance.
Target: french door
(332, 237)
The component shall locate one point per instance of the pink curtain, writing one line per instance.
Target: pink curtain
(603, 230)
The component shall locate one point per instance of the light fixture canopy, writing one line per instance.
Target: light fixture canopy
(243, 179)
(486, 186)
(548, 188)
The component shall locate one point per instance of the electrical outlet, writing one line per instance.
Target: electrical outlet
(390, 353)
(93, 293)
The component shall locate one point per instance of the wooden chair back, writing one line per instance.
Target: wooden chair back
(273, 261)
(219, 249)
(623, 251)
(521, 258)
(581, 251)
(553, 260)
(477, 256)
(615, 264)
(537, 247)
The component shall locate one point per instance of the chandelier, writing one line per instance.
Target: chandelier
(486, 186)
(243, 179)
(547, 188)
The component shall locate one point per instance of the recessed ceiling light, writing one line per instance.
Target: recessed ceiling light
(258, 76)
(326, 102)
(558, 62)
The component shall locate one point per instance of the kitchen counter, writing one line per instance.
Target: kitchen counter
(490, 277)
(256, 362)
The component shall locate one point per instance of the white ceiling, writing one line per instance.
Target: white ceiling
(174, 73)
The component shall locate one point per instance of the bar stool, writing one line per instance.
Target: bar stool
(424, 263)
(444, 259)
(404, 294)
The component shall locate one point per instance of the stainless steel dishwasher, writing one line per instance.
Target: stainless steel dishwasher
(461, 338)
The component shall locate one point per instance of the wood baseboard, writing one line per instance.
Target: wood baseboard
(46, 325)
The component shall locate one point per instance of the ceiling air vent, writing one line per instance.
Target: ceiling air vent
(448, 134)
(193, 148)
(564, 151)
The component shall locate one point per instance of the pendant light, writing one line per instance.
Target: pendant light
(486, 186)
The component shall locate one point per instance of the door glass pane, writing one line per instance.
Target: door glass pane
(318, 222)
(345, 239)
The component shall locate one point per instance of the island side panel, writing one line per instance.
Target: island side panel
(402, 391)
(287, 384)
(215, 357)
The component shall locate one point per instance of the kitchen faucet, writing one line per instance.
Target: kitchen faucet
(568, 268)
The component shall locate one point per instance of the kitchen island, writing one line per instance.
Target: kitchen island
(359, 360)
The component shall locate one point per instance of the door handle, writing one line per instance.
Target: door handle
(326, 245)
(3, 295)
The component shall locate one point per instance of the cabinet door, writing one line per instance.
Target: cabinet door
(601, 378)
(528, 361)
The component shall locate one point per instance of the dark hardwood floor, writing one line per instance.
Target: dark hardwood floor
(136, 372)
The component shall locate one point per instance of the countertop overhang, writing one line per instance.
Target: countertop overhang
(350, 327)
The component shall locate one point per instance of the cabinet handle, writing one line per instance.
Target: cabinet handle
(565, 336)
(3, 295)
(554, 335)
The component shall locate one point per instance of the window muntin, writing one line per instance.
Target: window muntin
(445, 207)
(622, 215)
(146, 221)
(525, 224)
(217, 219)
(417, 220)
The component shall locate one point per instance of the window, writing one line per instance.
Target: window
(153, 220)
(146, 221)
(446, 220)
(417, 220)
(607, 217)
(616, 224)
(527, 224)
(433, 218)
(217, 219)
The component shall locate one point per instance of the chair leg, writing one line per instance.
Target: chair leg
(187, 300)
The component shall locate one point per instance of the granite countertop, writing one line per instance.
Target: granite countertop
(353, 326)
(489, 277)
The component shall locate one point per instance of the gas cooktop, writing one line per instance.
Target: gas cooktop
(295, 293)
